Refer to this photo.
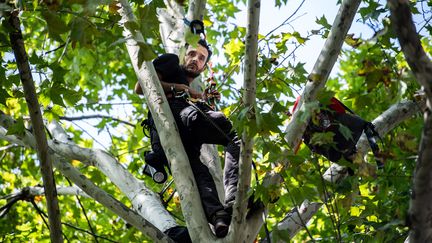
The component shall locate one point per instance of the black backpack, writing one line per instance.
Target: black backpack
(345, 126)
(156, 160)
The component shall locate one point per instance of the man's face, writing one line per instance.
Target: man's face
(195, 60)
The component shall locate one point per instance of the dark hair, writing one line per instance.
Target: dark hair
(203, 43)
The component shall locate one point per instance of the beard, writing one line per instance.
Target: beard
(190, 72)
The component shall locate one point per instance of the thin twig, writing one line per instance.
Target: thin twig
(332, 211)
(85, 131)
(43, 216)
(55, 49)
(85, 214)
(286, 20)
(69, 118)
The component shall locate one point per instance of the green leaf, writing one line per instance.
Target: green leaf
(54, 113)
(192, 39)
(3, 96)
(4, 40)
(56, 25)
(322, 138)
(234, 48)
(299, 38)
(34, 59)
(15, 79)
(278, 3)
(82, 32)
(323, 21)
(138, 131)
(345, 131)
(58, 72)
(56, 97)
(147, 16)
(145, 53)
(71, 97)
(132, 26)
(55, 94)
(324, 96)
(17, 128)
(25, 227)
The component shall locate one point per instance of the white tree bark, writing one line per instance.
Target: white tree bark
(154, 211)
(320, 72)
(196, 9)
(297, 218)
(40, 191)
(144, 201)
(61, 190)
(172, 29)
(108, 201)
(210, 157)
(246, 150)
(167, 130)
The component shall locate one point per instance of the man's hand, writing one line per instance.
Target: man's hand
(211, 94)
(192, 93)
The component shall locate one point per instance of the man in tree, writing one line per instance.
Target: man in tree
(198, 124)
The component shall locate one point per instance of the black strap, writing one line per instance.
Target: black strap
(371, 133)
(208, 119)
(146, 124)
(196, 26)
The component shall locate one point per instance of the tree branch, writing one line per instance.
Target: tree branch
(320, 72)
(246, 151)
(110, 202)
(167, 130)
(419, 213)
(196, 10)
(17, 43)
(134, 189)
(171, 26)
(67, 118)
(409, 40)
(298, 217)
(61, 190)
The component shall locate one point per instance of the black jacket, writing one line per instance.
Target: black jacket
(168, 67)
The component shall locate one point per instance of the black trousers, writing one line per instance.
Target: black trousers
(196, 130)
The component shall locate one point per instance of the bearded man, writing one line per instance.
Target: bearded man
(198, 127)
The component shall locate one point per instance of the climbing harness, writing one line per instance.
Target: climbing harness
(211, 88)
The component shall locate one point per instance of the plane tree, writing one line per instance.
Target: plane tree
(84, 58)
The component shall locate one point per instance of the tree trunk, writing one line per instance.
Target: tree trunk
(168, 132)
(321, 70)
(420, 212)
(249, 96)
(17, 43)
